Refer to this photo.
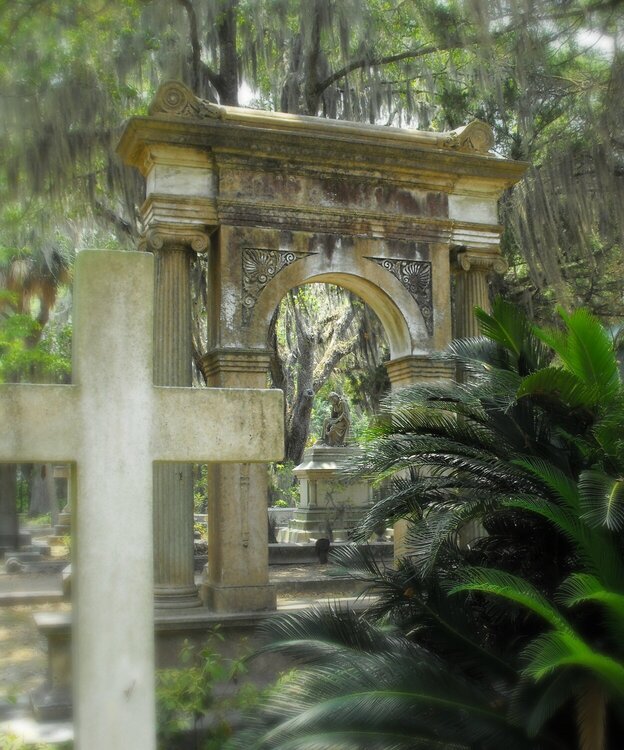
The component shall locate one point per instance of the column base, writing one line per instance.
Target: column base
(176, 597)
(239, 598)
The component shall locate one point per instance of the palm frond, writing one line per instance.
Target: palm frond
(560, 385)
(513, 588)
(581, 587)
(602, 499)
(560, 483)
(536, 707)
(505, 326)
(586, 349)
(559, 649)
(563, 521)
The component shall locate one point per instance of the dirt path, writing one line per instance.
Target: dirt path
(22, 651)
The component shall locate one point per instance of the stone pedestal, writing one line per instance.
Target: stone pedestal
(236, 578)
(63, 521)
(329, 506)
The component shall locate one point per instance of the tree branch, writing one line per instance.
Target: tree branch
(363, 62)
(195, 44)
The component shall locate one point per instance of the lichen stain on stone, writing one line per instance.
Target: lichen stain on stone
(437, 204)
(230, 304)
(268, 185)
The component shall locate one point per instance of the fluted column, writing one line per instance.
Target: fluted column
(471, 288)
(174, 580)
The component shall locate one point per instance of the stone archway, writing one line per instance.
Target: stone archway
(278, 200)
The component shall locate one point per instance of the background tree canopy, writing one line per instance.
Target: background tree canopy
(546, 74)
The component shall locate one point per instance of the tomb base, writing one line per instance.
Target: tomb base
(63, 524)
(174, 630)
(238, 598)
(310, 524)
(329, 507)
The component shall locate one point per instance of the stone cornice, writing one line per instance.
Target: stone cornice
(309, 142)
(174, 99)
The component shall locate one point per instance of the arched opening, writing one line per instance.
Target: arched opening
(325, 340)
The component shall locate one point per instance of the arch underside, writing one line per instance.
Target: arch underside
(406, 328)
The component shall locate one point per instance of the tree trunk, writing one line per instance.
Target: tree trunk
(299, 425)
(313, 54)
(9, 523)
(40, 500)
(228, 58)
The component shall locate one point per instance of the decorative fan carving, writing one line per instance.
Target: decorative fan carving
(259, 267)
(415, 275)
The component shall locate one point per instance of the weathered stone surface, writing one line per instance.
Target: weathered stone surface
(289, 200)
(302, 199)
(113, 423)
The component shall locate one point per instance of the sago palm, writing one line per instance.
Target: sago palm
(530, 447)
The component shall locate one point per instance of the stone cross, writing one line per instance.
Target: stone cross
(113, 424)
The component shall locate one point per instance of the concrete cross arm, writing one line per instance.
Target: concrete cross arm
(114, 412)
(34, 423)
(45, 423)
(218, 424)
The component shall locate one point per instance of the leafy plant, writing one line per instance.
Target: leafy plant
(511, 635)
(185, 696)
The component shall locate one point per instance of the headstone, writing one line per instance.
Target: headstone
(113, 424)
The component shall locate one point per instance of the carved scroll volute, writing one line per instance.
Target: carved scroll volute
(158, 238)
(476, 136)
(483, 263)
(174, 98)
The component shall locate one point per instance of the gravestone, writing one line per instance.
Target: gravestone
(113, 424)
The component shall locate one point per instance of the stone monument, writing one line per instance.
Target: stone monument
(329, 507)
(276, 201)
(114, 425)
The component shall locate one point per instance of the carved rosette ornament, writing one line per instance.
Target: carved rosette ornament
(174, 98)
(415, 275)
(259, 267)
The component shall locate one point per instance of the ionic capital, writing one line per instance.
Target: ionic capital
(170, 236)
(481, 262)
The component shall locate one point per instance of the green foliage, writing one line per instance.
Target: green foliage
(186, 695)
(511, 594)
(49, 360)
(13, 742)
(283, 486)
(200, 489)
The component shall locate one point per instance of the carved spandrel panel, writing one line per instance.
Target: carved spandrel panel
(415, 275)
(259, 267)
